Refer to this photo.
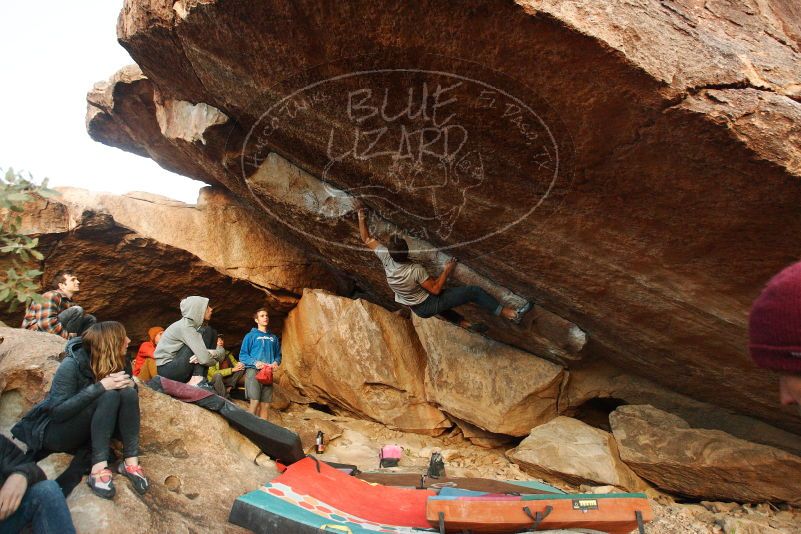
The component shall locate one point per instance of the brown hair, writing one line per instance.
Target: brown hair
(398, 249)
(265, 310)
(60, 278)
(104, 342)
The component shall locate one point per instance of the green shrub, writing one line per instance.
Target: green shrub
(18, 282)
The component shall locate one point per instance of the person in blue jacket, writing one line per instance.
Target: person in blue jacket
(259, 348)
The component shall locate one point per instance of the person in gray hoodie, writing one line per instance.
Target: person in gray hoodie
(182, 353)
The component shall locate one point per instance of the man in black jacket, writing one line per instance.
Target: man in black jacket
(27, 497)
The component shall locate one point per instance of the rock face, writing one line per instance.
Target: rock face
(493, 386)
(664, 450)
(361, 359)
(138, 255)
(567, 449)
(595, 389)
(186, 452)
(627, 205)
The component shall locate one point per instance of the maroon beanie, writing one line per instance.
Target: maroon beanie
(774, 325)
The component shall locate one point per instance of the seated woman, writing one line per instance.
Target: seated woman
(226, 375)
(91, 399)
(144, 364)
(426, 296)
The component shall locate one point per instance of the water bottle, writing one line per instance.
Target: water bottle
(320, 445)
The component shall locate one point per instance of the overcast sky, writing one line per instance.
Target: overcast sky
(51, 53)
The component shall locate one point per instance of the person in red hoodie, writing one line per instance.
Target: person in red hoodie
(774, 332)
(144, 358)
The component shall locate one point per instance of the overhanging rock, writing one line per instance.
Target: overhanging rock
(676, 126)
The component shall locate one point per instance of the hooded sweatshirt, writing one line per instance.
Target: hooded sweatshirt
(146, 349)
(260, 346)
(185, 332)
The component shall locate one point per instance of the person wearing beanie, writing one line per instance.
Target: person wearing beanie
(144, 358)
(774, 331)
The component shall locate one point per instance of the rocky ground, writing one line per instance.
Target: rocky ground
(357, 442)
(187, 451)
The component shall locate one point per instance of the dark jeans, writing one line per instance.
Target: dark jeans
(179, 368)
(456, 296)
(221, 382)
(115, 412)
(74, 320)
(44, 508)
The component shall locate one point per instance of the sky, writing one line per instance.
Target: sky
(51, 53)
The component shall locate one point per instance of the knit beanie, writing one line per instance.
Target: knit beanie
(774, 325)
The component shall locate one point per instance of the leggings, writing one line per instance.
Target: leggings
(179, 368)
(456, 296)
(114, 412)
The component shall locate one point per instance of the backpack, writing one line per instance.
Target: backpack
(390, 455)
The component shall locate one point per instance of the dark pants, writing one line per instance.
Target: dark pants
(221, 382)
(115, 412)
(74, 320)
(179, 368)
(456, 296)
(44, 508)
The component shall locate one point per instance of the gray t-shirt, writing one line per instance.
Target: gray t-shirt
(403, 278)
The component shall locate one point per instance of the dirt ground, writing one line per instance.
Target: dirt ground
(355, 441)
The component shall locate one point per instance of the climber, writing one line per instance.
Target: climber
(226, 375)
(187, 347)
(57, 313)
(91, 399)
(27, 497)
(144, 364)
(426, 296)
(259, 348)
(774, 332)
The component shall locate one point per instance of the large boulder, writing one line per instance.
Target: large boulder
(495, 387)
(566, 449)
(710, 464)
(596, 388)
(607, 171)
(360, 359)
(186, 452)
(137, 255)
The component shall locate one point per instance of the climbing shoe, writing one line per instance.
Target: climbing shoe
(101, 484)
(522, 310)
(135, 474)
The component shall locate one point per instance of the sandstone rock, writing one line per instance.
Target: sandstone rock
(196, 463)
(662, 114)
(596, 388)
(490, 385)
(360, 359)
(219, 230)
(480, 437)
(567, 449)
(736, 525)
(137, 255)
(709, 464)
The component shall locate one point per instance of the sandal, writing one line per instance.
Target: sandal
(135, 474)
(101, 483)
